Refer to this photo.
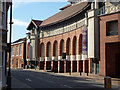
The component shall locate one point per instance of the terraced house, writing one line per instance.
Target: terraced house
(4, 6)
(70, 41)
(18, 51)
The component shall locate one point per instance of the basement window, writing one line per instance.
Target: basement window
(112, 28)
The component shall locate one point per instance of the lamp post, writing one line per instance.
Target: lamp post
(9, 71)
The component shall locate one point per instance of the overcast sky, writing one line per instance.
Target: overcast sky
(23, 12)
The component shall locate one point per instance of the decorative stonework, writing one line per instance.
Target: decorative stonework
(41, 58)
(112, 9)
(72, 57)
(84, 57)
(53, 58)
(78, 57)
(67, 57)
(62, 28)
(47, 59)
(59, 57)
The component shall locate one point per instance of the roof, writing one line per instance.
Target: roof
(28, 33)
(36, 23)
(19, 40)
(65, 14)
(68, 5)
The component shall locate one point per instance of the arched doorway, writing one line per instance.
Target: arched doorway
(61, 47)
(48, 63)
(49, 49)
(68, 62)
(74, 53)
(80, 53)
(55, 49)
(42, 50)
(42, 55)
(68, 47)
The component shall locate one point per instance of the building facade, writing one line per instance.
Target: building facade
(70, 41)
(18, 54)
(4, 6)
(32, 42)
(110, 40)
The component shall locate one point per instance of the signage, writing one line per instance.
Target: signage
(84, 43)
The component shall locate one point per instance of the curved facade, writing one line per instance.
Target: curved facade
(68, 41)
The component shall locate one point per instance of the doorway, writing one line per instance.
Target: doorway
(97, 67)
(92, 66)
(117, 58)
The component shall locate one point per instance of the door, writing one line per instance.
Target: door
(117, 65)
(97, 67)
(92, 66)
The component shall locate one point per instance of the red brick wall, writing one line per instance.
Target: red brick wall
(14, 58)
(106, 39)
(64, 36)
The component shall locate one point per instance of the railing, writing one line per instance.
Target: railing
(63, 29)
(109, 9)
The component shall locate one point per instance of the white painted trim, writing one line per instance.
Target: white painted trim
(84, 57)
(53, 58)
(27, 59)
(72, 57)
(47, 59)
(28, 41)
(17, 43)
(67, 57)
(41, 58)
(59, 57)
(78, 57)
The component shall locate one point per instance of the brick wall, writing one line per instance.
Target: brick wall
(20, 58)
(64, 37)
(106, 39)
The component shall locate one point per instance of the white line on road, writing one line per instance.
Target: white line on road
(28, 79)
(67, 86)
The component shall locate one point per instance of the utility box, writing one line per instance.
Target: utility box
(107, 82)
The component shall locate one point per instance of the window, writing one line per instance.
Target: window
(16, 63)
(112, 28)
(13, 48)
(17, 51)
(20, 50)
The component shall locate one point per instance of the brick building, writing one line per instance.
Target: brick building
(71, 40)
(18, 54)
(110, 40)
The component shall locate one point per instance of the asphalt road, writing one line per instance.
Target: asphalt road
(35, 80)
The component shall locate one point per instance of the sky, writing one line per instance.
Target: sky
(23, 12)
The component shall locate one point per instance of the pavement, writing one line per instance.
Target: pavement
(30, 78)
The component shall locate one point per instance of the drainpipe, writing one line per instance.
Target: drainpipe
(9, 71)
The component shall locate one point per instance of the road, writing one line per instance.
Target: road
(35, 80)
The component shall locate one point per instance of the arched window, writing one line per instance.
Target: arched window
(42, 50)
(61, 47)
(74, 45)
(68, 46)
(49, 49)
(80, 44)
(55, 49)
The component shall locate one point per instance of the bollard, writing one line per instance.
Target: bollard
(70, 71)
(107, 82)
(80, 72)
